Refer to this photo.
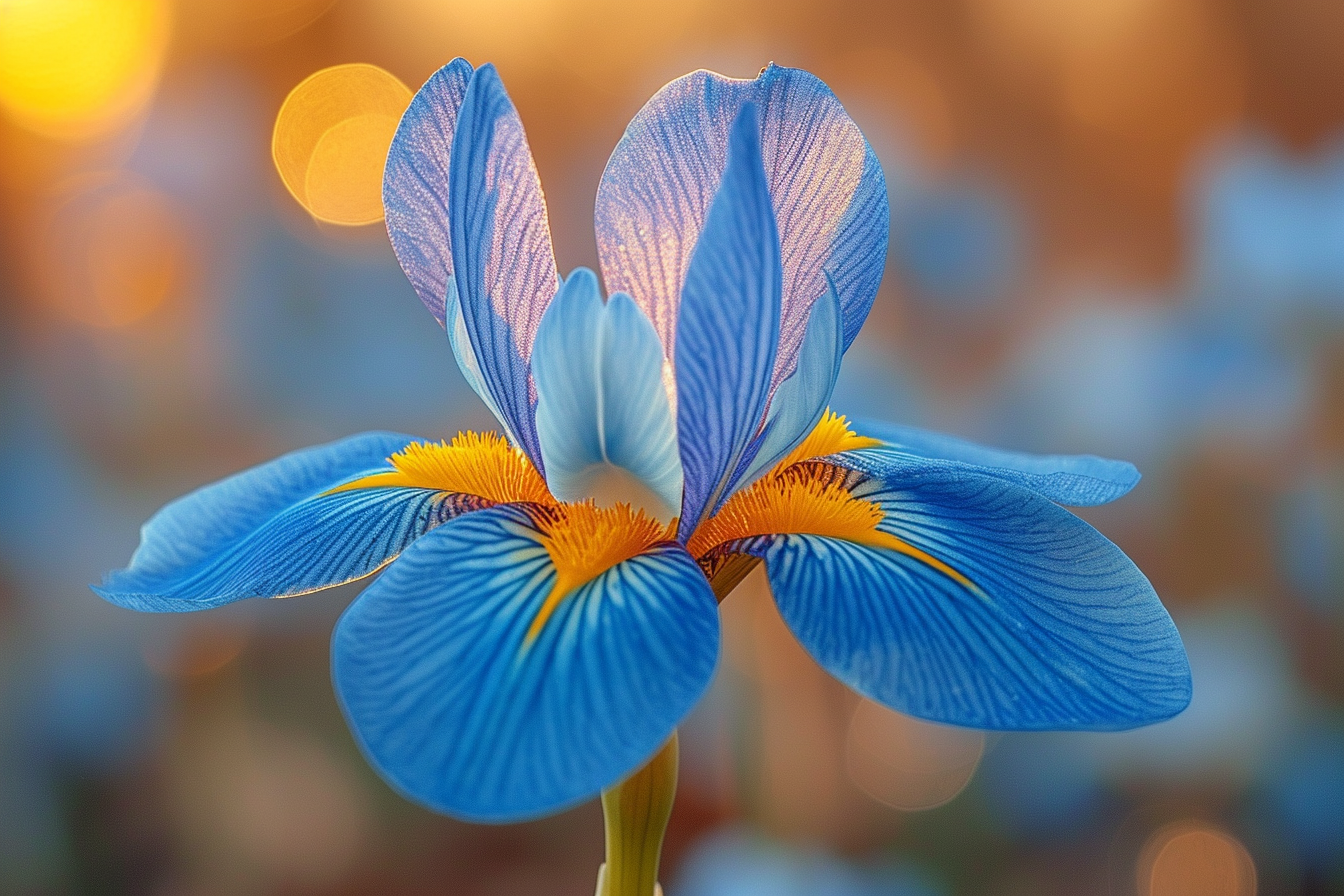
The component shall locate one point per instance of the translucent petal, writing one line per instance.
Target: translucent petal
(598, 369)
(415, 185)
(827, 189)
(462, 713)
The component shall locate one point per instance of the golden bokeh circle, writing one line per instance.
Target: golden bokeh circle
(80, 69)
(110, 250)
(906, 763)
(1191, 858)
(331, 139)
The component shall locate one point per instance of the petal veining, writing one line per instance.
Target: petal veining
(415, 186)
(1045, 625)
(728, 329)
(828, 192)
(461, 711)
(501, 249)
(279, 529)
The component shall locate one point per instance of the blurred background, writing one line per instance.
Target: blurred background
(1118, 228)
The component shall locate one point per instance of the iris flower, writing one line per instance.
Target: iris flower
(548, 612)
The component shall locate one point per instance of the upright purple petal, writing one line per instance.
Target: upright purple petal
(501, 248)
(827, 188)
(415, 185)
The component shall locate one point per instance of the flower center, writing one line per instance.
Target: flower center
(585, 540)
(802, 497)
(608, 485)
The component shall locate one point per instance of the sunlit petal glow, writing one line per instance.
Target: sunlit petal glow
(331, 139)
(79, 69)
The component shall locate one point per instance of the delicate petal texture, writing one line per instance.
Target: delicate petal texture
(598, 369)
(415, 185)
(1079, 480)
(501, 246)
(728, 329)
(829, 196)
(800, 400)
(1063, 631)
(271, 532)
(462, 714)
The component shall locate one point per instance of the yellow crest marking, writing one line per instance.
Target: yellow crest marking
(585, 540)
(799, 498)
(481, 464)
(831, 435)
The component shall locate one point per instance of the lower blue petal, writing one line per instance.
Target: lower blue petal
(459, 711)
(1079, 480)
(273, 532)
(1058, 630)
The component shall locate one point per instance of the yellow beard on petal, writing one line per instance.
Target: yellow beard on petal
(831, 435)
(480, 464)
(798, 497)
(585, 540)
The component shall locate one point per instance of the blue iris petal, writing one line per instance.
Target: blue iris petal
(800, 401)
(1059, 628)
(1078, 480)
(460, 713)
(501, 249)
(415, 192)
(270, 531)
(728, 328)
(416, 204)
(825, 183)
(598, 368)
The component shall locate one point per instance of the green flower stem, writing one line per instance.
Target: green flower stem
(636, 812)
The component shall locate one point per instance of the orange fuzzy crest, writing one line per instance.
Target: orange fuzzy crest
(798, 498)
(585, 540)
(831, 435)
(481, 464)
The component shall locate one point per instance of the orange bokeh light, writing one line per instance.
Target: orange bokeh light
(113, 250)
(907, 763)
(331, 139)
(1191, 858)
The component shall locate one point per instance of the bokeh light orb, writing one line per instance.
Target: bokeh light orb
(1190, 858)
(907, 763)
(331, 140)
(114, 249)
(79, 69)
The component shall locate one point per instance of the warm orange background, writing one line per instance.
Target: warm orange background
(1118, 228)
